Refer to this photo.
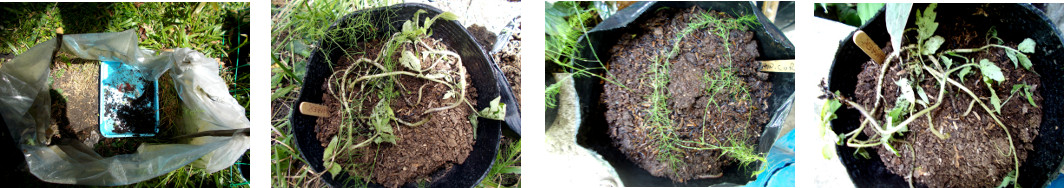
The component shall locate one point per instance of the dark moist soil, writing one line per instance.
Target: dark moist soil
(700, 52)
(139, 116)
(420, 153)
(973, 154)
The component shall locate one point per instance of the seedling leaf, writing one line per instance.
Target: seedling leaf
(947, 61)
(1027, 46)
(334, 169)
(925, 22)
(991, 71)
(496, 110)
(448, 16)
(964, 72)
(1012, 56)
(1026, 62)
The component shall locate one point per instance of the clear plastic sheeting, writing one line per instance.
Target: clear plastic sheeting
(205, 99)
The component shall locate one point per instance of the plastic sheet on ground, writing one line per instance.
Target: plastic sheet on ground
(205, 99)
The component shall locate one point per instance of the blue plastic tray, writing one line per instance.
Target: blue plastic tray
(128, 101)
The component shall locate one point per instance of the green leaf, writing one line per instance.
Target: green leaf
(410, 61)
(964, 72)
(448, 16)
(925, 22)
(828, 151)
(897, 17)
(1009, 179)
(1026, 62)
(862, 152)
(327, 155)
(1027, 46)
(923, 95)
(334, 169)
(282, 92)
(947, 61)
(866, 10)
(1030, 94)
(408, 28)
(991, 71)
(387, 138)
(496, 110)
(1012, 56)
(932, 44)
(1017, 87)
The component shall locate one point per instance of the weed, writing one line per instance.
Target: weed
(670, 146)
(566, 22)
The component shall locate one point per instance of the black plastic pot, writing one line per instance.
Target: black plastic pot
(592, 133)
(1014, 22)
(475, 60)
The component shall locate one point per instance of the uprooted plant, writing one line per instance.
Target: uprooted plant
(372, 85)
(926, 62)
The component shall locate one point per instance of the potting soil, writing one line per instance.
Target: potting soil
(976, 152)
(733, 115)
(420, 153)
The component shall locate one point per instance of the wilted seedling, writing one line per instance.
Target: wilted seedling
(926, 57)
(376, 79)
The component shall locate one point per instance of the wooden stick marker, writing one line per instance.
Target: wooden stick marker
(869, 47)
(312, 109)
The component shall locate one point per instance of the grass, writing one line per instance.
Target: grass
(215, 29)
(566, 22)
(721, 82)
(507, 166)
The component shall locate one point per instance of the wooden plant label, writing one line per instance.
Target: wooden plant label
(312, 109)
(777, 65)
(869, 47)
